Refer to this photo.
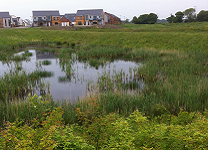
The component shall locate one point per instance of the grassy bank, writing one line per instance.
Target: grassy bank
(171, 39)
(173, 101)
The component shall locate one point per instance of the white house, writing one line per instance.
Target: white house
(5, 20)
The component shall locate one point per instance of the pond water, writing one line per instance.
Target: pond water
(76, 85)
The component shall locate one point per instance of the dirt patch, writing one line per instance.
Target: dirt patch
(82, 27)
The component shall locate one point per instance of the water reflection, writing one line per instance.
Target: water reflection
(75, 79)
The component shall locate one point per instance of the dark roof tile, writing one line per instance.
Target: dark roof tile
(4, 15)
(46, 13)
(90, 12)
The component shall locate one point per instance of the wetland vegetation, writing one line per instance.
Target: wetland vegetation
(168, 111)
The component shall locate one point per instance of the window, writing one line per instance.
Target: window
(54, 18)
(77, 17)
(79, 23)
(49, 18)
(57, 18)
(34, 17)
(56, 23)
(81, 17)
(44, 17)
(86, 17)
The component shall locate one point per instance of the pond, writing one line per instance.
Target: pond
(84, 77)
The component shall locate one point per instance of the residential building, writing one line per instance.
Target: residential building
(27, 23)
(16, 21)
(111, 19)
(46, 18)
(5, 20)
(90, 17)
(56, 20)
(64, 21)
(71, 18)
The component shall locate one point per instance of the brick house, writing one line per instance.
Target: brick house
(56, 20)
(46, 18)
(90, 17)
(64, 21)
(111, 19)
(5, 20)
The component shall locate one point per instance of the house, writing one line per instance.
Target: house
(64, 21)
(56, 20)
(46, 18)
(90, 17)
(71, 18)
(5, 20)
(111, 19)
(27, 22)
(16, 21)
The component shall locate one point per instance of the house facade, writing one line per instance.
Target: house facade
(64, 21)
(16, 21)
(56, 20)
(111, 19)
(90, 17)
(46, 18)
(5, 20)
(71, 18)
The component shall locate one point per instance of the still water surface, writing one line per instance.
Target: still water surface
(72, 87)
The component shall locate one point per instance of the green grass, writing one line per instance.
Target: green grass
(174, 57)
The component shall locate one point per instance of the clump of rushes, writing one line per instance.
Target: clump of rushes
(16, 84)
(45, 74)
(27, 53)
(46, 62)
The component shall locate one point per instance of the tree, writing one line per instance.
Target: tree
(179, 17)
(126, 21)
(143, 19)
(202, 16)
(190, 14)
(171, 19)
(135, 20)
(152, 18)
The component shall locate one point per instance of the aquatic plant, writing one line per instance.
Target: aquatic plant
(46, 62)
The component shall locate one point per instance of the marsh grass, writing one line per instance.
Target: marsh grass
(174, 57)
(17, 84)
(45, 74)
(46, 62)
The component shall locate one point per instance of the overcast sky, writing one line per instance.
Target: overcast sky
(121, 8)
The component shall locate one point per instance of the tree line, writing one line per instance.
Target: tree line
(189, 15)
(145, 19)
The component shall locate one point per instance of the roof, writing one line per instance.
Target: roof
(112, 15)
(71, 17)
(96, 12)
(46, 13)
(63, 19)
(4, 15)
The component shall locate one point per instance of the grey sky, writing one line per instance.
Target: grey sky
(121, 8)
